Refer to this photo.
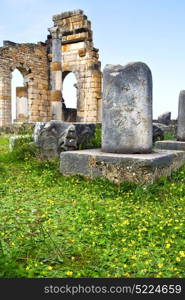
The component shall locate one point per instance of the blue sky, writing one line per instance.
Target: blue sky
(152, 31)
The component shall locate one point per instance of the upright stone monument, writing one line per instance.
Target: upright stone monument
(127, 109)
(179, 144)
(181, 117)
(126, 153)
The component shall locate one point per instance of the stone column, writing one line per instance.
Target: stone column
(56, 75)
(181, 117)
(21, 104)
(5, 98)
(127, 109)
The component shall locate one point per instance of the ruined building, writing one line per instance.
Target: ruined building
(44, 66)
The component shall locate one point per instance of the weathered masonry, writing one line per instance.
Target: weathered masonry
(44, 66)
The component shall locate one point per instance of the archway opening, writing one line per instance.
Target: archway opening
(69, 96)
(69, 90)
(17, 81)
(19, 97)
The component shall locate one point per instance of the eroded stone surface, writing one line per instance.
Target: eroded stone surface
(158, 132)
(165, 118)
(127, 109)
(138, 168)
(181, 117)
(170, 145)
(55, 136)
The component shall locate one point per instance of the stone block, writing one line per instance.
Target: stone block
(55, 66)
(165, 118)
(56, 95)
(137, 168)
(55, 136)
(158, 132)
(127, 109)
(82, 52)
(170, 145)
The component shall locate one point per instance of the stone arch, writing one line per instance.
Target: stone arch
(32, 61)
(79, 56)
(22, 67)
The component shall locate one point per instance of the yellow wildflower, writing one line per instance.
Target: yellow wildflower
(182, 253)
(69, 273)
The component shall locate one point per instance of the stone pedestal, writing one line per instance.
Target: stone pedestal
(127, 130)
(138, 168)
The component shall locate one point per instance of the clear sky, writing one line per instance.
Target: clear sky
(152, 31)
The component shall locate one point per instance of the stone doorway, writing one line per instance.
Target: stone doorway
(19, 98)
(70, 96)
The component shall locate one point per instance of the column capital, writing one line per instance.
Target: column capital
(55, 32)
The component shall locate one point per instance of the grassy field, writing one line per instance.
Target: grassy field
(53, 226)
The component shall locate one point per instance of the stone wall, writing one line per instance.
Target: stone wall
(31, 60)
(80, 57)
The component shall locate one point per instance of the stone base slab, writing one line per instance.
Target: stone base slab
(138, 168)
(170, 145)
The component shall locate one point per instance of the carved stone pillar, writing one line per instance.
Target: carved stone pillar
(56, 74)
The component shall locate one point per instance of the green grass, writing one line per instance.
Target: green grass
(55, 226)
(169, 136)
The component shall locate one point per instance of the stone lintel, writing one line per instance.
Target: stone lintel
(170, 145)
(75, 39)
(138, 168)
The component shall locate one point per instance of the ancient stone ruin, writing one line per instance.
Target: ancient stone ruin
(181, 118)
(126, 153)
(127, 130)
(178, 144)
(165, 118)
(44, 66)
(127, 109)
